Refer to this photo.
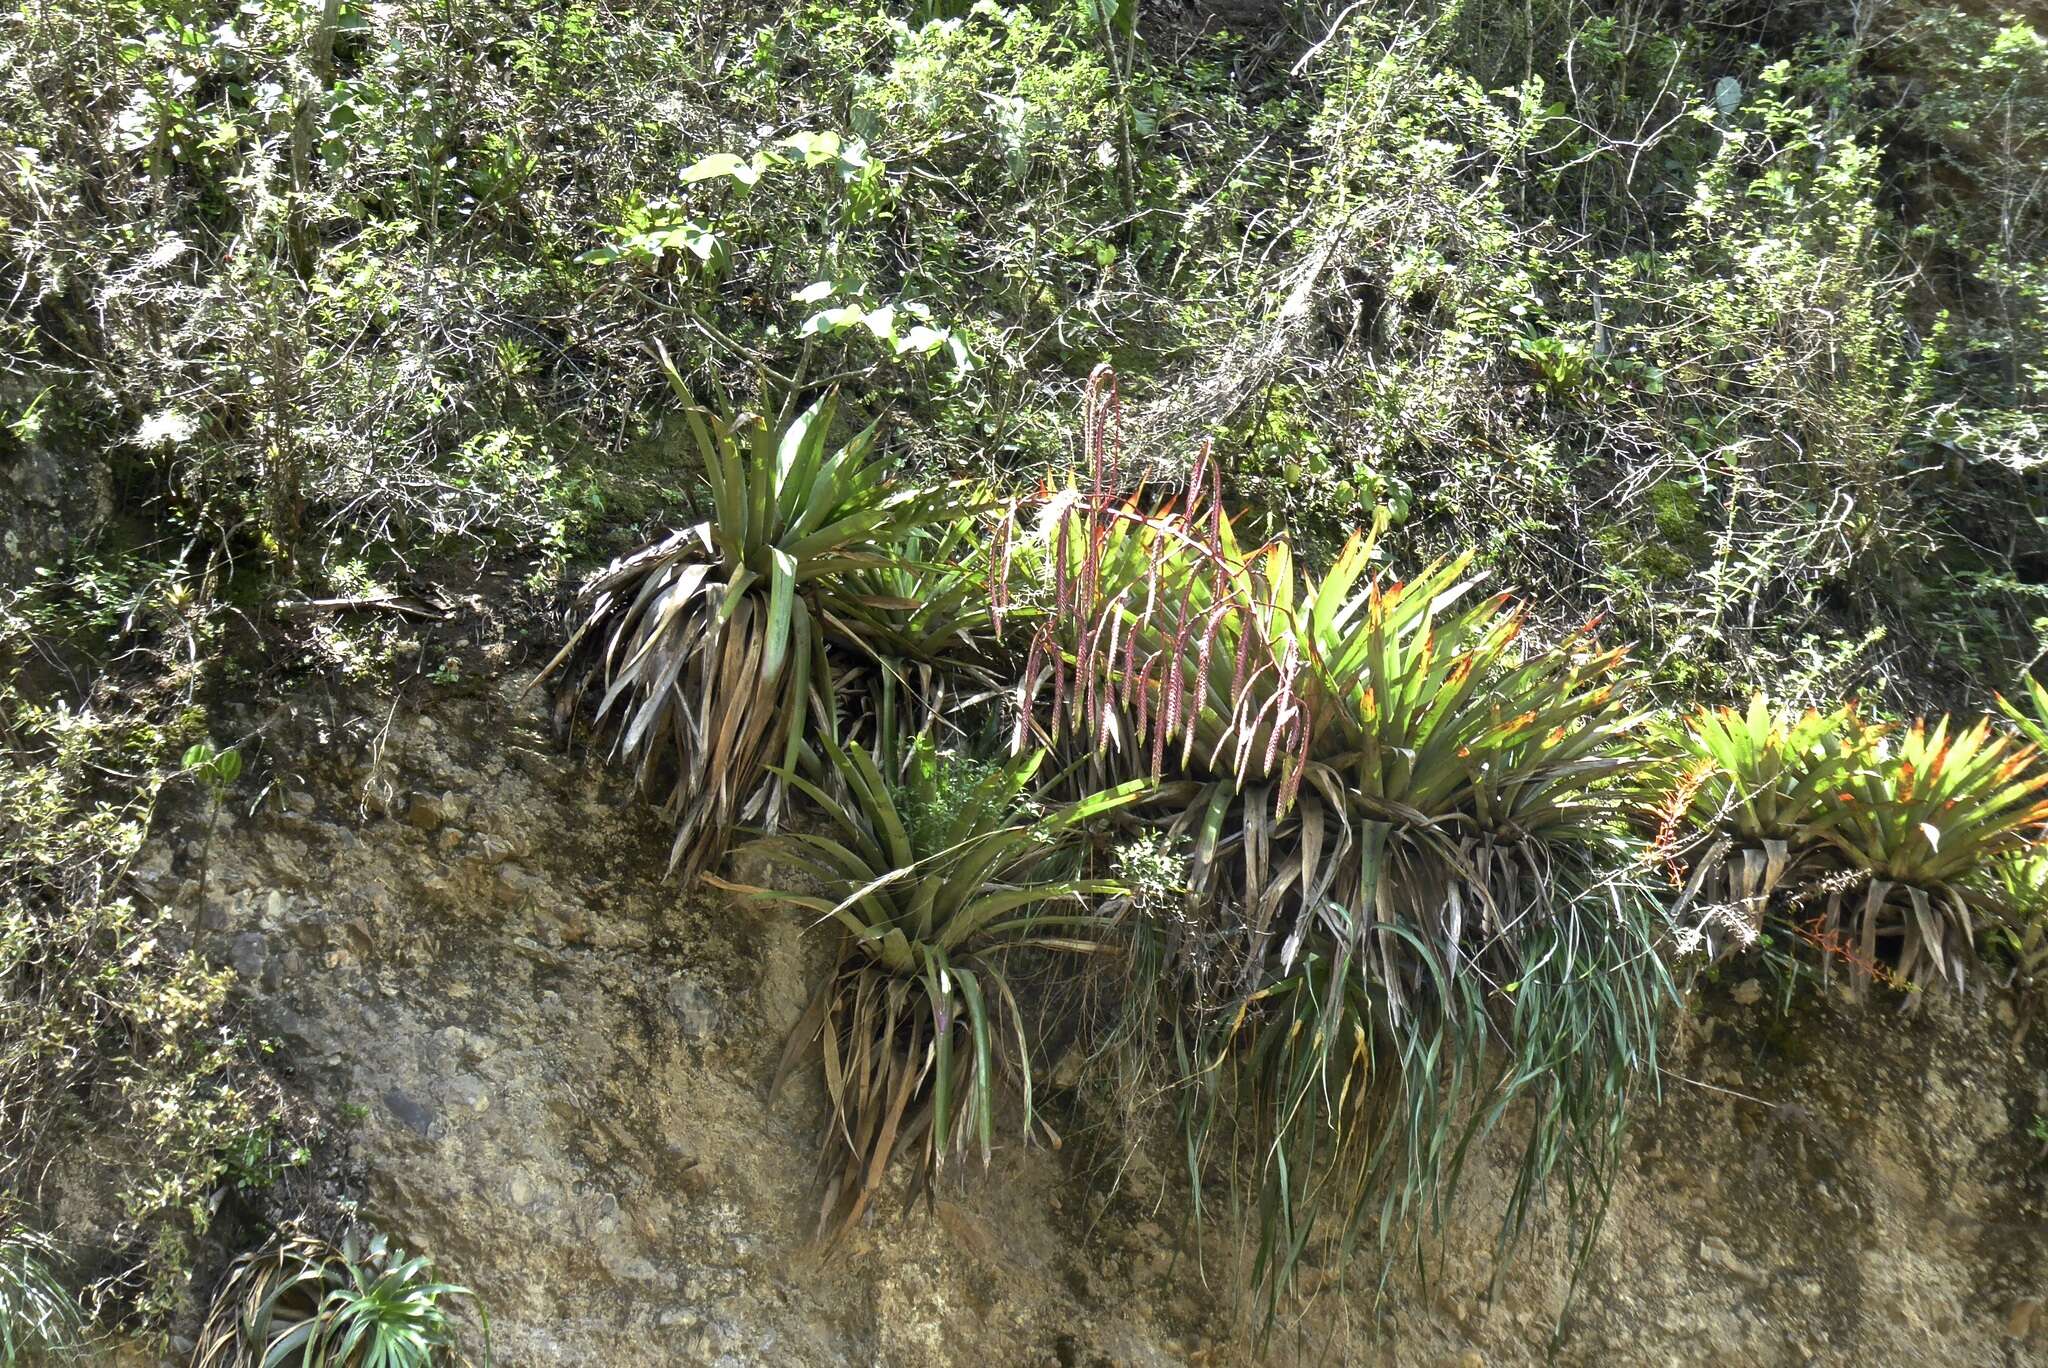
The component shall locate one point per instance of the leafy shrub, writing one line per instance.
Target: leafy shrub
(934, 879)
(302, 1301)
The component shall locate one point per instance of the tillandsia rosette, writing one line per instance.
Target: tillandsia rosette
(709, 652)
(938, 870)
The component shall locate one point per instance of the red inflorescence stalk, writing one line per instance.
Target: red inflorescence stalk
(999, 582)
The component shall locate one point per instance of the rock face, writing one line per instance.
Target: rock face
(538, 1061)
(49, 494)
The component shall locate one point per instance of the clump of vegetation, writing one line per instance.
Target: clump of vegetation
(1736, 791)
(711, 644)
(2013, 891)
(1896, 829)
(1408, 860)
(40, 1320)
(922, 633)
(935, 880)
(1934, 807)
(303, 1301)
(1392, 809)
(118, 1048)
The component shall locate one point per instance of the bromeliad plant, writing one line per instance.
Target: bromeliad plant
(1893, 830)
(1326, 703)
(1396, 814)
(1933, 806)
(708, 649)
(1745, 799)
(937, 872)
(300, 1302)
(2013, 891)
(921, 634)
(1447, 839)
(2030, 715)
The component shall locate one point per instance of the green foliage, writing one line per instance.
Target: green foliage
(217, 768)
(920, 632)
(1981, 121)
(117, 1046)
(1367, 1098)
(656, 238)
(1731, 327)
(1932, 808)
(938, 872)
(2012, 891)
(1935, 804)
(1509, 280)
(303, 1302)
(2031, 715)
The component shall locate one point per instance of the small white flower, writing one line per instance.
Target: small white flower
(167, 251)
(166, 428)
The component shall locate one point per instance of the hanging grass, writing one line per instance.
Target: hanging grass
(40, 1321)
(1368, 1114)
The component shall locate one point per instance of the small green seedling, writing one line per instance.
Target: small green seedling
(217, 769)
